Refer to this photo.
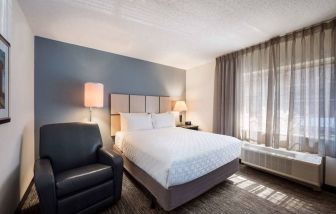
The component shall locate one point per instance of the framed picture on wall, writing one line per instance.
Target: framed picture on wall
(4, 80)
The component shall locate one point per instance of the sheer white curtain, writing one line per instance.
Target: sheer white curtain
(285, 92)
(251, 94)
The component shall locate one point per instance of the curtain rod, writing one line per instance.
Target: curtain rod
(328, 22)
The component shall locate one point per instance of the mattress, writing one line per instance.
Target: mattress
(174, 156)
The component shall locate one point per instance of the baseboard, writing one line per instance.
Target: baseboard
(329, 188)
(24, 198)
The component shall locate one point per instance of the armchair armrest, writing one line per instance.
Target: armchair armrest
(45, 185)
(112, 159)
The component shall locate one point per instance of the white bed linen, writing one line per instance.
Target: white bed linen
(175, 156)
(163, 120)
(135, 121)
(119, 139)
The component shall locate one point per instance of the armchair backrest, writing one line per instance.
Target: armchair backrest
(70, 145)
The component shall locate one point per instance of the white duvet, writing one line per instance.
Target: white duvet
(175, 156)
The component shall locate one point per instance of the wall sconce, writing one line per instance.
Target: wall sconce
(93, 96)
(180, 106)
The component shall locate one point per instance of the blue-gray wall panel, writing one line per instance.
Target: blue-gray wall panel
(61, 70)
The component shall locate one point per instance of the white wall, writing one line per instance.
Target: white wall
(200, 95)
(17, 137)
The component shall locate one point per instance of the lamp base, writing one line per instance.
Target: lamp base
(90, 118)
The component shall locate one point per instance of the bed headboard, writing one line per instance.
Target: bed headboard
(129, 103)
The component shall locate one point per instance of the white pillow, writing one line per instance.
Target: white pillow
(135, 121)
(163, 120)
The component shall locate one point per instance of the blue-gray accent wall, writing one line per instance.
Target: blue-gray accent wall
(61, 69)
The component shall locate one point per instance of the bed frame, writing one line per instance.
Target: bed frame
(177, 195)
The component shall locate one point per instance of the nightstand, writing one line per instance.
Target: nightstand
(193, 127)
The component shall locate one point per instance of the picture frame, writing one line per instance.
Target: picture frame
(4, 80)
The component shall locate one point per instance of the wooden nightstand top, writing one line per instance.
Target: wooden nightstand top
(193, 127)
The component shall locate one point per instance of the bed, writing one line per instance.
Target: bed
(174, 164)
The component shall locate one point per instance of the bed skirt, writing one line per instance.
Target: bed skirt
(177, 195)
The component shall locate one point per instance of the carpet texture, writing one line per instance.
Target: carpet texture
(248, 191)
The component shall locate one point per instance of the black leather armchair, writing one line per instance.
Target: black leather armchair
(74, 174)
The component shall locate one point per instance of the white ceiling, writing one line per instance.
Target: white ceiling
(179, 33)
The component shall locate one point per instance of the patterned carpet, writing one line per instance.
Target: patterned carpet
(248, 191)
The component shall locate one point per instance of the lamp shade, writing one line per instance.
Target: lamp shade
(180, 106)
(93, 95)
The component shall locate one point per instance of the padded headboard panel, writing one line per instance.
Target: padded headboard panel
(152, 104)
(136, 104)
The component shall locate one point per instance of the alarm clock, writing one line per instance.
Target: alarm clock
(188, 123)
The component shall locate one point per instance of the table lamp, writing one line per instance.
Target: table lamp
(180, 106)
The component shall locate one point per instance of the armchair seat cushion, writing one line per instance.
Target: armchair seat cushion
(78, 179)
